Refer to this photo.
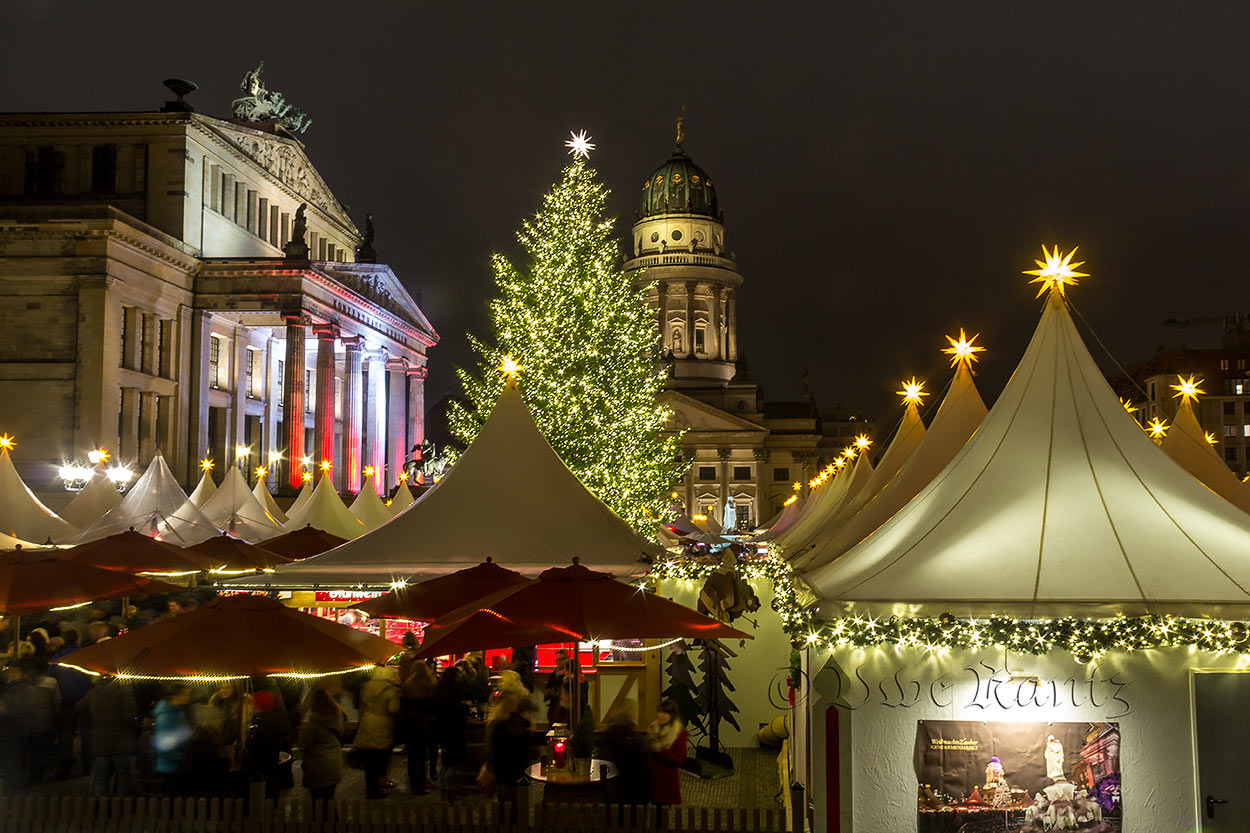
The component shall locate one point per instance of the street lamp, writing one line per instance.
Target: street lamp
(119, 476)
(241, 453)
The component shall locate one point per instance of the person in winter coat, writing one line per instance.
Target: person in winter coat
(42, 696)
(171, 736)
(666, 739)
(74, 686)
(452, 716)
(379, 708)
(269, 737)
(511, 748)
(418, 721)
(625, 745)
(110, 716)
(321, 742)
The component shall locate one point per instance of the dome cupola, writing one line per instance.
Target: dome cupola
(679, 186)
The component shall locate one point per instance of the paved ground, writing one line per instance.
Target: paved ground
(754, 784)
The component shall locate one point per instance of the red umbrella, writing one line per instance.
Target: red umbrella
(232, 555)
(303, 543)
(565, 604)
(134, 552)
(235, 637)
(436, 597)
(31, 582)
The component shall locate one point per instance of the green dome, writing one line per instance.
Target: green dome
(679, 186)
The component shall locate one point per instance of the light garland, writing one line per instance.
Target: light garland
(218, 678)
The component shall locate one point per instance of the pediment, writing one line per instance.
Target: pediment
(694, 415)
(378, 283)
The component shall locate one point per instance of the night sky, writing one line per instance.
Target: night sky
(886, 169)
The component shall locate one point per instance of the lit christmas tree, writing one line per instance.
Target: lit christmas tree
(589, 353)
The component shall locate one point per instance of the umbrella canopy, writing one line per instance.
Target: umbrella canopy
(22, 515)
(93, 500)
(368, 508)
(38, 581)
(133, 552)
(436, 597)
(304, 542)
(235, 637)
(235, 509)
(230, 555)
(565, 604)
(261, 491)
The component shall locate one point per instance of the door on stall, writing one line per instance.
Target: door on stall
(1222, 726)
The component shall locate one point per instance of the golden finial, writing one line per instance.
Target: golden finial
(1187, 389)
(1056, 271)
(913, 392)
(681, 126)
(963, 350)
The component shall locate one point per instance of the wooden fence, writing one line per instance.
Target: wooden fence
(52, 814)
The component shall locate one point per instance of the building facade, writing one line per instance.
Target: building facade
(742, 448)
(153, 295)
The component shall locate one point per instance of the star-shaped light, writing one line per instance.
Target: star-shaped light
(206, 464)
(1210, 438)
(1187, 389)
(509, 367)
(326, 465)
(305, 461)
(306, 476)
(1056, 271)
(862, 442)
(1128, 405)
(368, 471)
(1157, 428)
(261, 471)
(963, 349)
(579, 144)
(403, 477)
(840, 462)
(913, 392)
(797, 485)
(7, 442)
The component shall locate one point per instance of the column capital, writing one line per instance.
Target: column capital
(353, 343)
(724, 454)
(397, 363)
(415, 372)
(761, 454)
(296, 319)
(327, 331)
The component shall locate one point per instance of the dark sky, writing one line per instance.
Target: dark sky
(886, 169)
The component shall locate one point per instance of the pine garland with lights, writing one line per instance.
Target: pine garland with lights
(586, 342)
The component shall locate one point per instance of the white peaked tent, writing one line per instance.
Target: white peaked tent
(22, 515)
(368, 508)
(1187, 444)
(325, 510)
(261, 492)
(959, 415)
(403, 499)
(236, 510)
(154, 505)
(1059, 504)
(826, 503)
(783, 519)
(509, 496)
(305, 493)
(204, 490)
(8, 542)
(93, 500)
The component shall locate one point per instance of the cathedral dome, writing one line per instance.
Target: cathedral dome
(679, 186)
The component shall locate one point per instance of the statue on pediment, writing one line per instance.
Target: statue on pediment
(264, 105)
(297, 247)
(365, 252)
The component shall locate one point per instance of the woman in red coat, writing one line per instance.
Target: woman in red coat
(666, 738)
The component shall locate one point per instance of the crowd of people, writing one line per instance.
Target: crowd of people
(172, 738)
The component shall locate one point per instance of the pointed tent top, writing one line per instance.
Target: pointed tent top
(305, 493)
(957, 418)
(1057, 505)
(235, 509)
(539, 514)
(402, 500)
(205, 489)
(325, 510)
(825, 502)
(261, 492)
(1187, 444)
(368, 508)
(93, 500)
(22, 515)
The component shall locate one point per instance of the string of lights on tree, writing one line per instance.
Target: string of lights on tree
(586, 337)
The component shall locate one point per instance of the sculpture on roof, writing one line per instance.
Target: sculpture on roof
(263, 105)
(365, 252)
(297, 247)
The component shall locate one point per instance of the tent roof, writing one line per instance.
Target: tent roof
(784, 519)
(305, 492)
(325, 510)
(155, 504)
(266, 500)
(1187, 444)
(93, 500)
(22, 515)
(402, 500)
(368, 508)
(957, 418)
(235, 509)
(204, 490)
(508, 496)
(823, 504)
(1058, 505)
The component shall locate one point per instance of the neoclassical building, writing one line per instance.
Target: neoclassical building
(741, 447)
(154, 295)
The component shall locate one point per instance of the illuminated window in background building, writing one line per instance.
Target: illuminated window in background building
(214, 362)
(308, 391)
(248, 375)
(281, 387)
(1237, 387)
(700, 340)
(1230, 430)
(1245, 430)
(1241, 364)
(1223, 364)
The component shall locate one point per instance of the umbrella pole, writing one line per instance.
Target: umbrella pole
(17, 635)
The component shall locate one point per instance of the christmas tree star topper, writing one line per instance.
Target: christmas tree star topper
(579, 144)
(1187, 389)
(1056, 271)
(912, 392)
(963, 349)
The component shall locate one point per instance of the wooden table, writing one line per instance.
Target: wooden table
(563, 787)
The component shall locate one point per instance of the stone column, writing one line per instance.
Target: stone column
(353, 411)
(416, 406)
(661, 313)
(731, 326)
(717, 350)
(375, 412)
(97, 377)
(236, 383)
(293, 398)
(689, 345)
(129, 440)
(323, 417)
(763, 477)
(725, 462)
(396, 421)
(147, 427)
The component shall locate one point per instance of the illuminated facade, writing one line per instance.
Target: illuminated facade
(741, 447)
(147, 303)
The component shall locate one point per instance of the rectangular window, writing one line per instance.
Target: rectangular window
(700, 339)
(1230, 430)
(145, 345)
(1230, 454)
(1245, 430)
(248, 377)
(281, 377)
(308, 391)
(125, 334)
(1230, 409)
(707, 472)
(1237, 387)
(1152, 391)
(262, 219)
(1241, 364)
(274, 224)
(742, 473)
(781, 475)
(46, 178)
(1223, 364)
(251, 202)
(214, 362)
(104, 169)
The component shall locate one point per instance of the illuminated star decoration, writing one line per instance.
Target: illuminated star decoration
(1187, 389)
(1056, 271)
(261, 471)
(206, 464)
(579, 144)
(862, 442)
(325, 465)
(1210, 438)
(7, 442)
(368, 471)
(306, 476)
(509, 367)
(1157, 428)
(912, 392)
(1128, 405)
(963, 349)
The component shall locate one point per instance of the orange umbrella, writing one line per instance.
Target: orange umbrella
(232, 555)
(134, 552)
(31, 582)
(435, 597)
(304, 542)
(235, 637)
(566, 604)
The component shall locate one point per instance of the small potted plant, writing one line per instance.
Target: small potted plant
(584, 742)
